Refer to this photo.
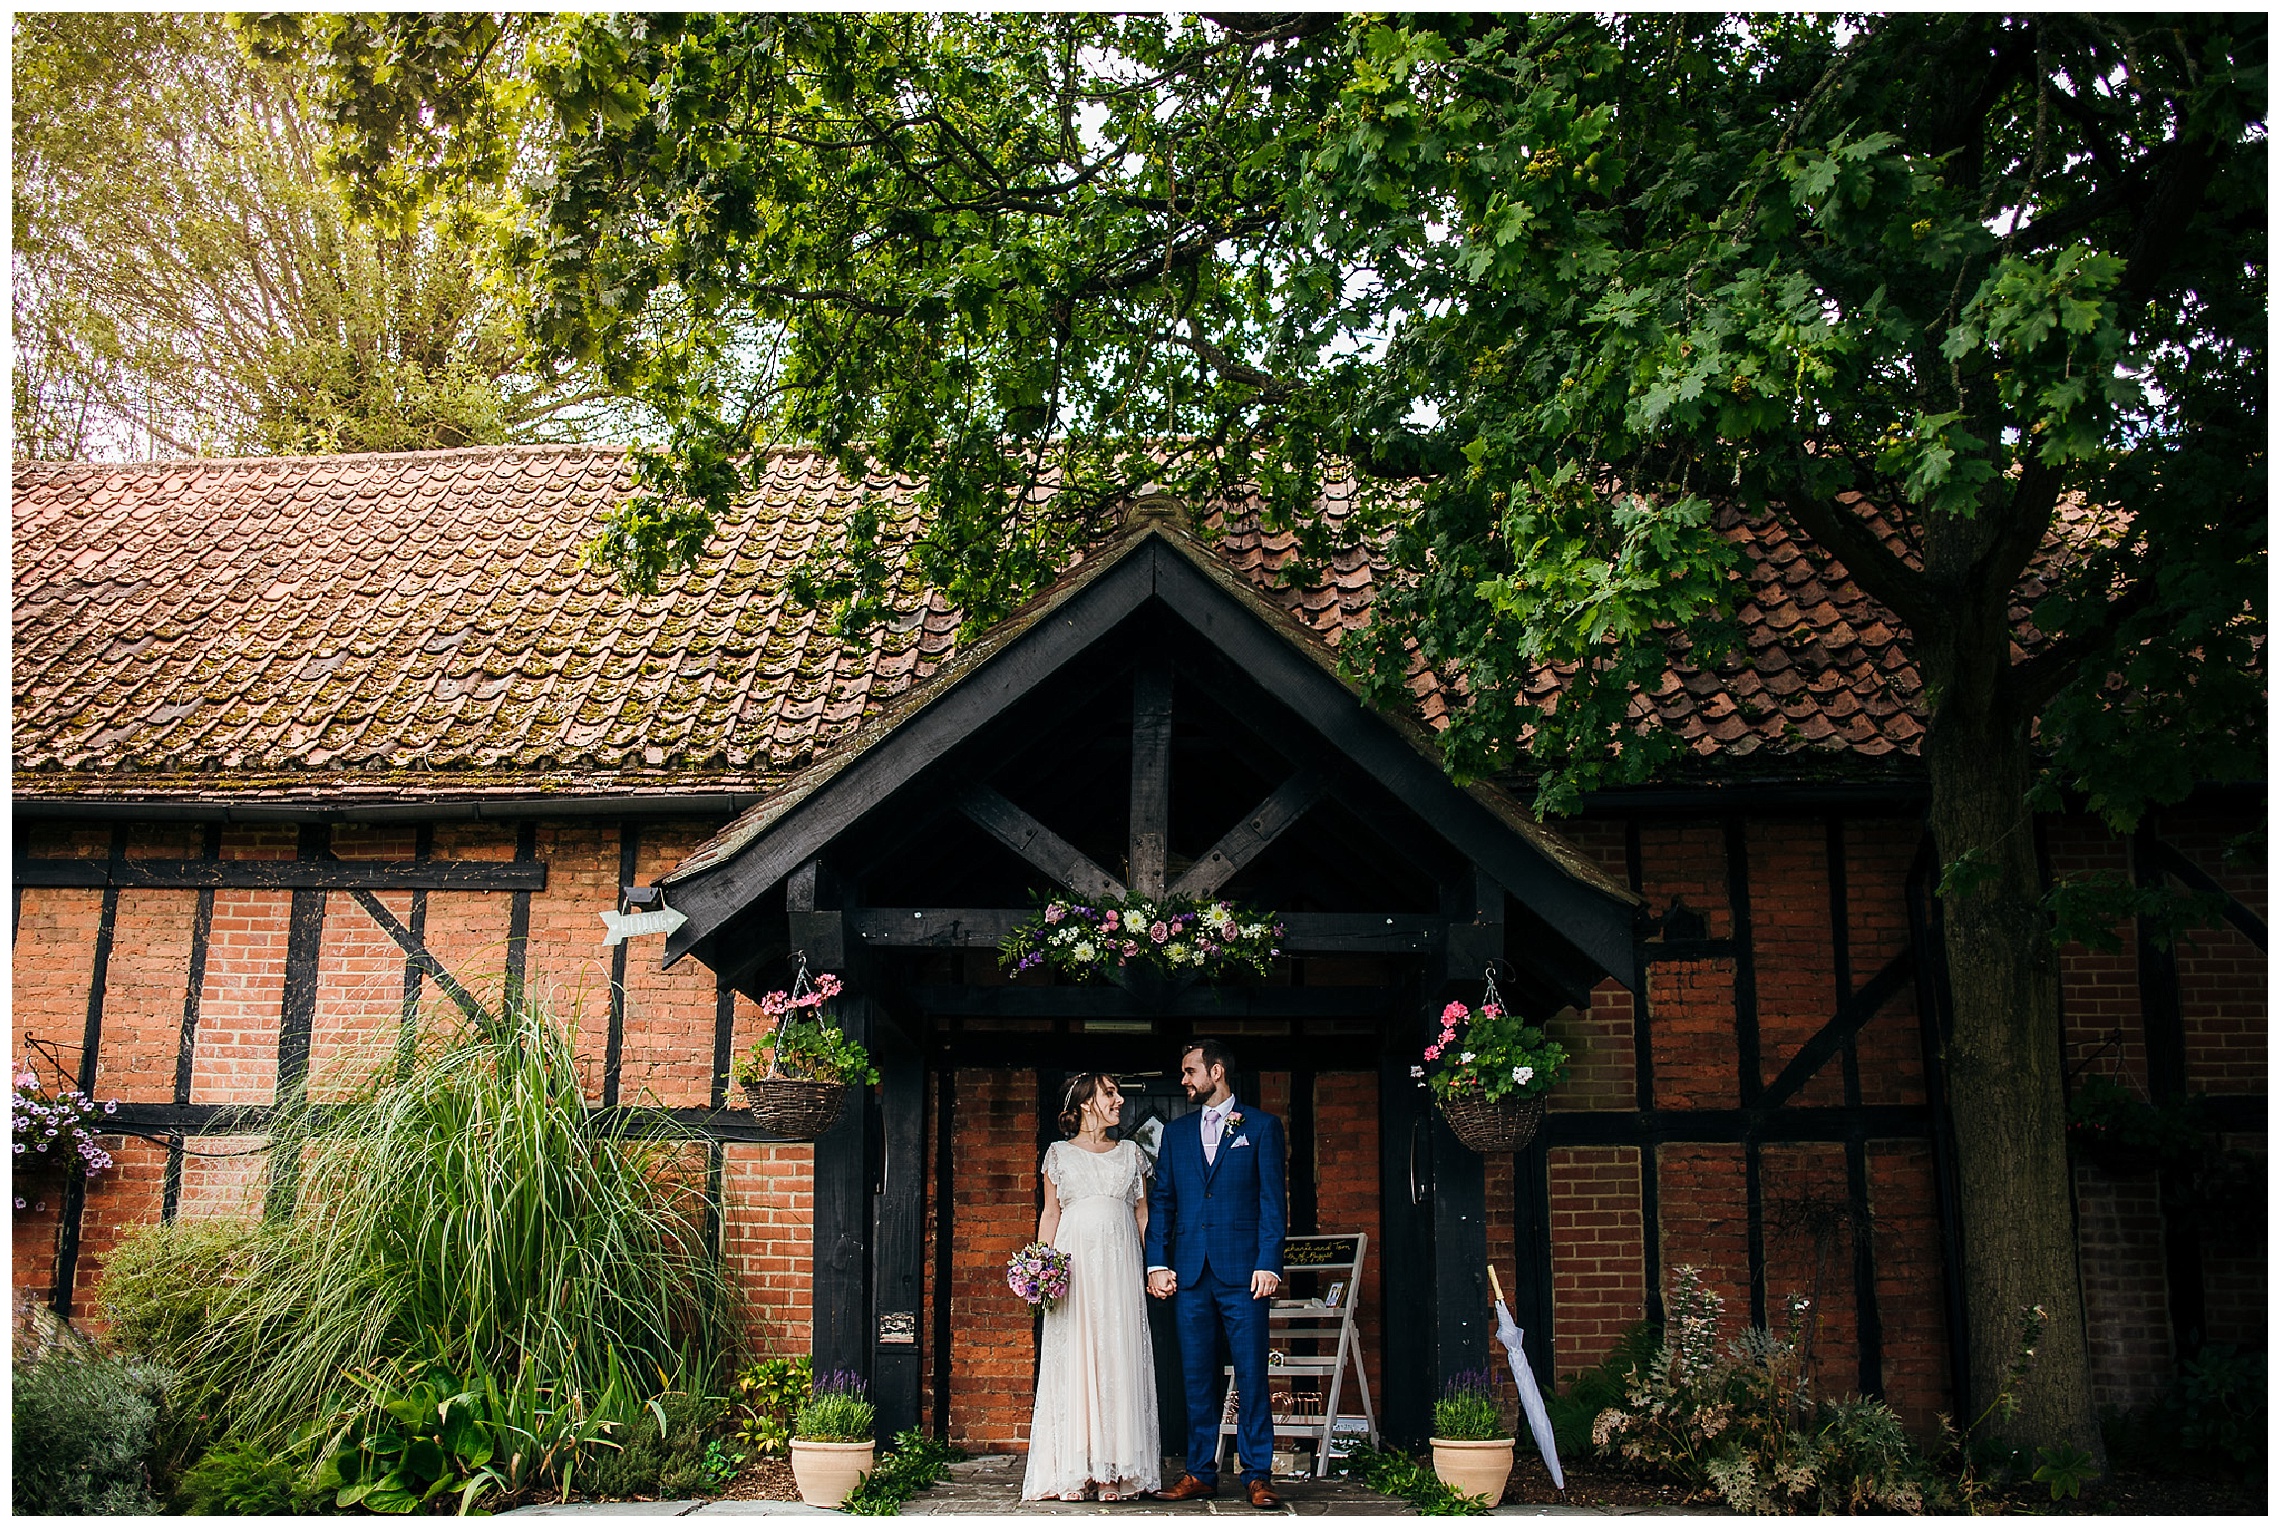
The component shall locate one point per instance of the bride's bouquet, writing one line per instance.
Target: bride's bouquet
(1039, 1274)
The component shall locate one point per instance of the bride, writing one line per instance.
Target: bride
(1094, 1427)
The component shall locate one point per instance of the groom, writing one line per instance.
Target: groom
(1215, 1235)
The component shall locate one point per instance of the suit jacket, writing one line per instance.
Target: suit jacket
(1229, 1212)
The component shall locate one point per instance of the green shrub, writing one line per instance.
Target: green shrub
(1466, 1411)
(242, 1479)
(914, 1463)
(1574, 1410)
(663, 1453)
(769, 1394)
(83, 1433)
(1744, 1422)
(2219, 1404)
(472, 1214)
(1391, 1473)
(836, 1411)
(159, 1285)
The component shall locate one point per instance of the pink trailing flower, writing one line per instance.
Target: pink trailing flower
(1432, 1053)
(1455, 1013)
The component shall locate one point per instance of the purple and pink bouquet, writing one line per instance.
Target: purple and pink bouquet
(1039, 1274)
(1175, 935)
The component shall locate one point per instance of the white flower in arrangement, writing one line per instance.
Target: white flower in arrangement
(1084, 951)
(1177, 954)
(1466, 1057)
(1417, 1071)
(1521, 1074)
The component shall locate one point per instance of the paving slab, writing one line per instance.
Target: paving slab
(990, 1486)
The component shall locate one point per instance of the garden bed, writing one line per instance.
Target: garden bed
(1590, 1483)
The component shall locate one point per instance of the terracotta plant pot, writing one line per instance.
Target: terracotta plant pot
(826, 1472)
(1477, 1467)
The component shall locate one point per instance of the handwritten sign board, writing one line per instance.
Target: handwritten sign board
(1320, 1251)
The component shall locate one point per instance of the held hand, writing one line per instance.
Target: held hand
(1264, 1284)
(1163, 1283)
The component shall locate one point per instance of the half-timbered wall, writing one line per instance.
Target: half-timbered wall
(1765, 1113)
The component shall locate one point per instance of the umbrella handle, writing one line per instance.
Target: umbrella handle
(1495, 1284)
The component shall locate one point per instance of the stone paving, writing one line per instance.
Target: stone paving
(990, 1486)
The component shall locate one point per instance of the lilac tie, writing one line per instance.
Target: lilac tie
(1212, 1120)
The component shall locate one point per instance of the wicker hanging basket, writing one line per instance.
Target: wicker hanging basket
(1508, 1124)
(794, 1107)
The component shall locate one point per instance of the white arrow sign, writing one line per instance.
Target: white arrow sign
(624, 926)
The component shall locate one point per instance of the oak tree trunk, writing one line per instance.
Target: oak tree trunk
(2005, 1062)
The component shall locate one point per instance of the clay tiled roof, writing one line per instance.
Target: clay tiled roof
(417, 626)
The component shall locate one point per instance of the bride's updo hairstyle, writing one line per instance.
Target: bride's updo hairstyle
(1083, 1089)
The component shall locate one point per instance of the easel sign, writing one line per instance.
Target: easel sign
(1313, 1336)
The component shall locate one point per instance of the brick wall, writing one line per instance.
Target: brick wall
(1598, 1239)
(1598, 1252)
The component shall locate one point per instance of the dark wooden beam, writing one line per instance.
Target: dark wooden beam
(2161, 856)
(613, 1047)
(416, 954)
(898, 1254)
(888, 928)
(1201, 1001)
(1051, 639)
(1732, 1127)
(1868, 1317)
(1898, 974)
(814, 925)
(297, 1010)
(1047, 850)
(1474, 907)
(1148, 841)
(1643, 1082)
(1248, 839)
(1596, 920)
(90, 1051)
(286, 875)
(841, 1322)
(518, 919)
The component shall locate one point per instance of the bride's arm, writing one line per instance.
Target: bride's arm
(1049, 1221)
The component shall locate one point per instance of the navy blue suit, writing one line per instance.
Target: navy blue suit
(1214, 1224)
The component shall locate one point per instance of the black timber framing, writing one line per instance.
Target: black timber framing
(1750, 1064)
(186, 1048)
(1643, 1091)
(304, 944)
(944, 1196)
(1405, 1228)
(613, 1048)
(415, 970)
(2161, 1009)
(1598, 921)
(518, 918)
(1151, 795)
(1868, 1320)
(898, 1225)
(90, 1049)
(1533, 1307)
(286, 875)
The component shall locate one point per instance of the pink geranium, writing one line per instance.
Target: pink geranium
(1455, 1013)
(1432, 1053)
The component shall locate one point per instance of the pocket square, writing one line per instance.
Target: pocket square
(1241, 1140)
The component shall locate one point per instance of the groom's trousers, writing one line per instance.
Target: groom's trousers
(1214, 1305)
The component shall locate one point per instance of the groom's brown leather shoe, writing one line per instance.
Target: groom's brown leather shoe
(1187, 1488)
(1262, 1495)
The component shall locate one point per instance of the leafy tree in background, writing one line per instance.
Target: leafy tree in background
(1945, 294)
(187, 281)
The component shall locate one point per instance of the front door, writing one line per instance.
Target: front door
(1152, 1101)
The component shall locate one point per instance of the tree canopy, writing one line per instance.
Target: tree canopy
(1976, 304)
(187, 280)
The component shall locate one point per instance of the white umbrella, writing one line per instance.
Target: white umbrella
(1524, 1380)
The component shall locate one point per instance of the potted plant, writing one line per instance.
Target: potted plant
(1472, 1453)
(1489, 1071)
(797, 1077)
(832, 1444)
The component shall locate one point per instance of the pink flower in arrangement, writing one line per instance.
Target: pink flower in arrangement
(1489, 1010)
(1108, 921)
(1432, 1053)
(1159, 931)
(1054, 913)
(1130, 949)
(1455, 1013)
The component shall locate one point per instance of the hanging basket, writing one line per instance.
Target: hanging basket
(794, 1107)
(1505, 1125)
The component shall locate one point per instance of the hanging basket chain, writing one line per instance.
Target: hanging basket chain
(801, 986)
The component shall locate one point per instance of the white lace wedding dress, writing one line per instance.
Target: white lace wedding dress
(1095, 1420)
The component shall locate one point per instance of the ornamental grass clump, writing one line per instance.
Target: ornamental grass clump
(837, 1410)
(470, 1214)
